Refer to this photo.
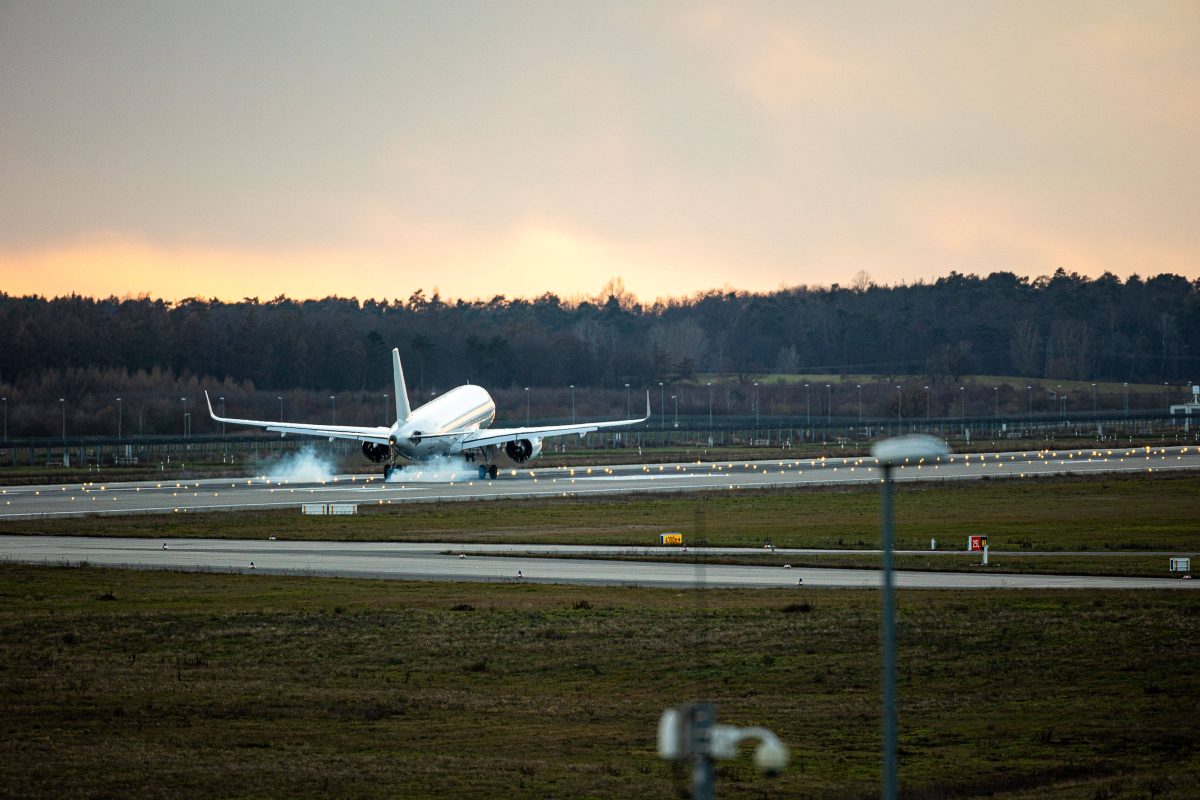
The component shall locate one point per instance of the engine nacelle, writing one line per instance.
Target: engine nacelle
(376, 453)
(523, 450)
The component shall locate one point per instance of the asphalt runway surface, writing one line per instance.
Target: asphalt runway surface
(415, 485)
(434, 561)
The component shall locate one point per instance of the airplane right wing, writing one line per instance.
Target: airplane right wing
(485, 437)
(376, 435)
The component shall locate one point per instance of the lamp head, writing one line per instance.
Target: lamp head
(899, 449)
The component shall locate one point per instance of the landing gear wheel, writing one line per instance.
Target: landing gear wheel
(387, 473)
(493, 471)
(483, 472)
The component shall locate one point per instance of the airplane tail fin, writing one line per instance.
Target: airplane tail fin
(402, 407)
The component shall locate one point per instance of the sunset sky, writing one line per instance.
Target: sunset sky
(233, 149)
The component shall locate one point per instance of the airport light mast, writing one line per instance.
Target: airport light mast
(891, 453)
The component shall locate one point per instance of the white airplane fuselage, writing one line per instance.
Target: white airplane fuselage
(462, 409)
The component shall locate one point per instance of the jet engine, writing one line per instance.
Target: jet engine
(523, 450)
(376, 453)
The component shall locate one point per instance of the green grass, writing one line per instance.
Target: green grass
(1120, 512)
(158, 684)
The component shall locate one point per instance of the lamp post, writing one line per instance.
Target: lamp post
(927, 405)
(527, 404)
(756, 408)
(675, 399)
(1029, 391)
(899, 410)
(962, 392)
(859, 387)
(385, 409)
(626, 401)
(996, 395)
(710, 409)
(572, 404)
(62, 403)
(185, 420)
(1093, 399)
(5, 419)
(662, 405)
(280, 399)
(891, 453)
(1126, 385)
(333, 409)
(807, 406)
(120, 414)
(828, 404)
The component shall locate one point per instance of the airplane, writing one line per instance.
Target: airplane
(454, 424)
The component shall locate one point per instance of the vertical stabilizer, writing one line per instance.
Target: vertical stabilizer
(402, 409)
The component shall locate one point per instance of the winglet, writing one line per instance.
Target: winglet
(647, 404)
(210, 411)
(402, 407)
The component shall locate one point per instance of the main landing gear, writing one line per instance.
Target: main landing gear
(488, 472)
(391, 469)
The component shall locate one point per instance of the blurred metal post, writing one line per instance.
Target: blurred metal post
(889, 645)
(891, 453)
(703, 769)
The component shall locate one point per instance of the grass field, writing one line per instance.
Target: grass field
(157, 684)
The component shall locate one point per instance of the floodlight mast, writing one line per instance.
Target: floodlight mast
(892, 453)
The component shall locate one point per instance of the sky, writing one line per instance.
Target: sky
(232, 149)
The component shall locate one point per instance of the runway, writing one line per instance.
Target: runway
(224, 494)
(442, 562)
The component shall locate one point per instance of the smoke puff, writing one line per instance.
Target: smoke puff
(304, 466)
(442, 469)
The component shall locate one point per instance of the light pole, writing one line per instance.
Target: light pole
(899, 410)
(962, 392)
(756, 408)
(185, 420)
(62, 402)
(572, 404)
(385, 409)
(5, 419)
(828, 404)
(807, 405)
(333, 409)
(859, 387)
(927, 405)
(662, 405)
(891, 453)
(1029, 391)
(1093, 399)
(626, 400)
(280, 399)
(710, 410)
(1126, 385)
(527, 404)
(675, 399)
(996, 396)
(120, 414)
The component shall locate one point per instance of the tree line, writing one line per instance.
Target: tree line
(1059, 327)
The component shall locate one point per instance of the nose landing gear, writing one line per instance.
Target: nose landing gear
(490, 472)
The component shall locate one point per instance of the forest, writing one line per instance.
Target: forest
(1060, 327)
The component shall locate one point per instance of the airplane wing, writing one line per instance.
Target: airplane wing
(376, 435)
(486, 437)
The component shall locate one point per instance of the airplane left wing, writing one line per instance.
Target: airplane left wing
(376, 435)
